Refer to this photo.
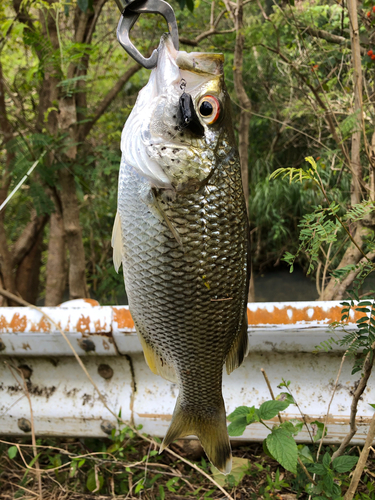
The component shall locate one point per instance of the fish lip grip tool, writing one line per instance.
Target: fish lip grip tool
(130, 11)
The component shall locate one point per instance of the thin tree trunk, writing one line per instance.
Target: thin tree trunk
(335, 291)
(56, 264)
(6, 260)
(356, 192)
(73, 232)
(27, 277)
(245, 114)
(244, 101)
(352, 255)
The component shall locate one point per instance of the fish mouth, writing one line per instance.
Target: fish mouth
(188, 118)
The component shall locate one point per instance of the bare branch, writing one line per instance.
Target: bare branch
(361, 462)
(106, 101)
(202, 36)
(329, 37)
(27, 238)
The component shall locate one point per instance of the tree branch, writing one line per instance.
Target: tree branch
(361, 462)
(329, 37)
(106, 101)
(202, 36)
(27, 238)
(367, 369)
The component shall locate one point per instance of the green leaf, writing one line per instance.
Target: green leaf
(372, 405)
(319, 430)
(83, 5)
(270, 409)
(240, 466)
(344, 464)
(139, 487)
(161, 492)
(190, 5)
(285, 396)
(238, 426)
(305, 454)
(312, 162)
(12, 452)
(239, 411)
(318, 469)
(91, 481)
(326, 460)
(283, 448)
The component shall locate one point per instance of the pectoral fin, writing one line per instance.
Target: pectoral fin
(117, 243)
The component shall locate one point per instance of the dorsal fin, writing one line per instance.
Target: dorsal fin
(117, 242)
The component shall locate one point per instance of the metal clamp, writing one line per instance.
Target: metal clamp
(130, 13)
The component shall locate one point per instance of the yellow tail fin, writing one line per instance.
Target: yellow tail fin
(211, 430)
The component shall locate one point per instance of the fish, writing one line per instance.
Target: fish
(182, 235)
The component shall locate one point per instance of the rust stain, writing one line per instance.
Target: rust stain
(98, 328)
(92, 302)
(289, 315)
(3, 323)
(18, 323)
(155, 415)
(83, 324)
(123, 318)
(26, 346)
(105, 345)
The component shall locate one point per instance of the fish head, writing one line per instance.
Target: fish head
(180, 129)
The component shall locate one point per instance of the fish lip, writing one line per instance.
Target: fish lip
(188, 118)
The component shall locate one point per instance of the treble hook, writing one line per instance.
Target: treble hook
(130, 11)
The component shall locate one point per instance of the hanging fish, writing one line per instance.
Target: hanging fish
(181, 233)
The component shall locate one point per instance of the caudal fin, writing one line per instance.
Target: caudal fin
(211, 430)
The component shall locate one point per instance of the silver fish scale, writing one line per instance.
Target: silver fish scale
(173, 293)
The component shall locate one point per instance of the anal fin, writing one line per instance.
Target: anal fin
(239, 349)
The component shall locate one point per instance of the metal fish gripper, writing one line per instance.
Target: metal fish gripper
(130, 11)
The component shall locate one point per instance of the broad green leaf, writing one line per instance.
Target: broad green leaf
(372, 405)
(285, 396)
(319, 430)
(283, 448)
(91, 481)
(253, 416)
(266, 450)
(238, 426)
(317, 469)
(240, 466)
(12, 452)
(305, 454)
(344, 463)
(239, 411)
(270, 409)
(326, 460)
(139, 487)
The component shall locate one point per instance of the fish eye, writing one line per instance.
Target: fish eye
(209, 109)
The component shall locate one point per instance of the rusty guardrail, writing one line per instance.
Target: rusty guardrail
(282, 337)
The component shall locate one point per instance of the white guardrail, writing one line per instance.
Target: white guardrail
(283, 336)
